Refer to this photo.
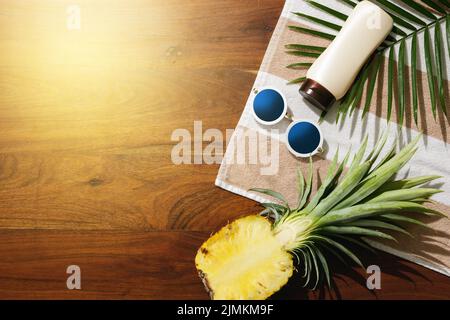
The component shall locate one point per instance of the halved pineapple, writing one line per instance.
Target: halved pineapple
(252, 257)
(244, 261)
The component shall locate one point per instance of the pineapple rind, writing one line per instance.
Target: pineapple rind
(244, 260)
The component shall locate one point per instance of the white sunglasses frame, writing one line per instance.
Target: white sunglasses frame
(318, 149)
(281, 117)
(286, 115)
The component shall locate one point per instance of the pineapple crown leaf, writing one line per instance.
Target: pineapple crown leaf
(304, 195)
(358, 231)
(274, 211)
(366, 202)
(271, 193)
(347, 185)
(370, 210)
(340, 247)
(380, 225)
(300, 185)
(316, 265)
(308, 267)
(358, 241)
(376, 178)
(391, 217)
(405, 194)
(359, 155)
(404, 184)
(324, 264)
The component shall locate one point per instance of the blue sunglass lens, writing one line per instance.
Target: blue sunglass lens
(304, 137)
(268, 105)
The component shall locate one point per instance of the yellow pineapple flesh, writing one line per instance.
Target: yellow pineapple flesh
(252, 257)
(244, 260)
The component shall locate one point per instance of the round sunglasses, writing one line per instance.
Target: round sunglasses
(303, 137)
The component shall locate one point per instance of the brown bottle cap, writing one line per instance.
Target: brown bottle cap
(317, 94)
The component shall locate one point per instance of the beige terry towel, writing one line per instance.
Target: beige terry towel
(430, 249)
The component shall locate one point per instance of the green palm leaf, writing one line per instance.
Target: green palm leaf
(312, 32)
(304, 47)
(347, 101)
(401, 81)
(298, 80)
(414, 77)
(360, 86)
(399, 21)
(430, 70)
(419, 8)
(299, 65)
(403, 13)
(319, 21)
(300, 53)
(372, 81)
(444, 3)
(406, 18)
(390, 82)
(349, 2)
(447, 28)
(328, 10)
(395, 29)
(439, 67)
(433, 5)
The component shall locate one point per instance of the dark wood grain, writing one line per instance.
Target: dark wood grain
(114, 264)
(158, 265)
(86, 119)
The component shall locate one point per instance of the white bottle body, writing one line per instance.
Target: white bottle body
(363, 32)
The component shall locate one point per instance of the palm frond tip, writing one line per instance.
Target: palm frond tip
(411, 18)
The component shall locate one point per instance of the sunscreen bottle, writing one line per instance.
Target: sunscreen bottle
(333, 73)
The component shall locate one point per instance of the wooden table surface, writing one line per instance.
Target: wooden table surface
(86, 176)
